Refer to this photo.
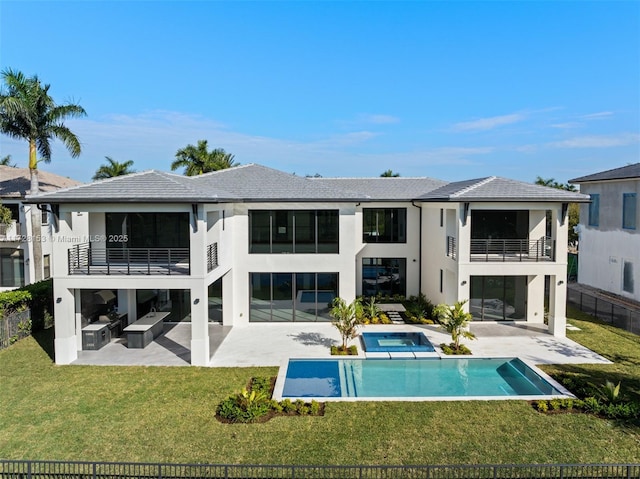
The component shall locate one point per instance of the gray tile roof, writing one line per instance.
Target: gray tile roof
(257, 183)
(385, 189)
(145, 186)
(494, 188)
(16, 182)
(254, 183)
(622, 173)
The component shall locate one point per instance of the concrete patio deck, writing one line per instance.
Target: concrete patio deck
(263, 344)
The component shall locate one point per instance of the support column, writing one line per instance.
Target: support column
(535, 299)
(199, 326)
(64, 310)
(558, 306)
(227, 299)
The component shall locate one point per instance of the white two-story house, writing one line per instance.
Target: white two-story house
(19, 244)
(252, 244)
(609, 230)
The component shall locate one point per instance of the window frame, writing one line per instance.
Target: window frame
(594, 210)
(629, 217)
(397, 220)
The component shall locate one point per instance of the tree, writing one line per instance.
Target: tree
(113, 168)
(454, 319)
(389, 174)
(574, 209)
(6, 161)
(345, 320)
(27, 112)
(198, 160)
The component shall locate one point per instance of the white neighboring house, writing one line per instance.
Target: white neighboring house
(253, 244)
(16, 239)
(609, 257)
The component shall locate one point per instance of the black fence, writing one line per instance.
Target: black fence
(621, 316)
(14, 326)
(102, 470)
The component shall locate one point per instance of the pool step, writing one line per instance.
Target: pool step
(395, 317)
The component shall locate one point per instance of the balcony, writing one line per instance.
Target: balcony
(513, 250)
(10, 232)
(83, 259)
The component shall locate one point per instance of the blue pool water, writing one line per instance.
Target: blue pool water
(412, 378)
(396, 342)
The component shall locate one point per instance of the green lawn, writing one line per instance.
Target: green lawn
(163, 414)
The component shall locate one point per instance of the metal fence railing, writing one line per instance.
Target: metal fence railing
(621, 316)
(13, 327)
(102, 470)
(542, 249)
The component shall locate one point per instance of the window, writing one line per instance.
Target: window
(46, 266)
(441, 281)
(45, 214)
(293, 231)
(147, 230)
(11, 267)
(385, 276)
(594, 210)
(627, 276)
(495, 298)
(629, 211)
(384, 225)
(441, 217)
(287, 297)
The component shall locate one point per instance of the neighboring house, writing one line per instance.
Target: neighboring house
(609, 248)
(252, 244)
(16, 238)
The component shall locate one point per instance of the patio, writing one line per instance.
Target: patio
(263, 344)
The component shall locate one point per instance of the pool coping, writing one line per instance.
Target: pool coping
(284, 365)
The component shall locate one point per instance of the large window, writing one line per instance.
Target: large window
(495, 298)
(293, 231)
(384, 225)
(285, 297)
(499, 224)
(147, 230)
(11, 267)
(629, 211)
(385, 276)
(594, 210)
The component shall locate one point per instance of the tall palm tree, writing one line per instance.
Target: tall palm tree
(113, 168)
(27, 112)
(197, 160)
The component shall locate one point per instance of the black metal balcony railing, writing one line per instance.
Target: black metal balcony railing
(504, 250)
(84, 259)
(9, 232)
(212, 257)
(451, 247)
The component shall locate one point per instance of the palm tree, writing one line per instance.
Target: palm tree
(454, 320)
(6, 161)
(389, 174)
(27, 112)
(198, 160)
(113, 168)
(345, 320)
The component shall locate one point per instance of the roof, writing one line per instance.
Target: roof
(256, 183)
(385, 189)
(622, 173)
(16, 182)
(494, 188)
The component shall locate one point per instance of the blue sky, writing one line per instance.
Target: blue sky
(452, 90)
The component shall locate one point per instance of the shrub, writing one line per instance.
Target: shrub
(542, 405)
(287, 405)
(451, 349)
(350, 351)
(315, 407)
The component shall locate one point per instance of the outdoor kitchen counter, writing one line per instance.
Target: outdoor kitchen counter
(143, 331)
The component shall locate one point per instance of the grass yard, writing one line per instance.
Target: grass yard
(162, 414)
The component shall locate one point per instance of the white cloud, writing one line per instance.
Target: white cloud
(380, 119)
(489, 123)
(567, 125)
(597, 141)
(602, 115)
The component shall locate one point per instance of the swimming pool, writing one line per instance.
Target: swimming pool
(415, 379)
(396, 342)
